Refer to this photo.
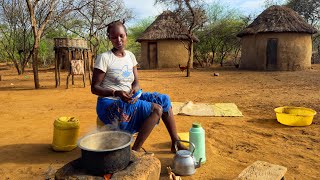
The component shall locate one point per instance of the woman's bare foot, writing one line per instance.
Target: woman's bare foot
(180, 146)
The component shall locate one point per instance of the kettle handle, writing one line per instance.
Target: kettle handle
(176, 147)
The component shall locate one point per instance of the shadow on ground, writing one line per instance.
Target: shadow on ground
(34, 154)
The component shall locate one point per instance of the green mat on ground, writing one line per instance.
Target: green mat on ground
(205, 109)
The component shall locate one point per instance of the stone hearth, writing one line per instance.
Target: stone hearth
(142, 166)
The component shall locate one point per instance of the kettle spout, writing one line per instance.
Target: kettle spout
(198, 164)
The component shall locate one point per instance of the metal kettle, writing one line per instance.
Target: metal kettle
(183, 162)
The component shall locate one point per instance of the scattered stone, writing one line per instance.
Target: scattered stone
(171, 174)
(261, 170)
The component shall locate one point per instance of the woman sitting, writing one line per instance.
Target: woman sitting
(115, 80)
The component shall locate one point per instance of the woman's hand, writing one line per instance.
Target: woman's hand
(134, 90)
(123, 95)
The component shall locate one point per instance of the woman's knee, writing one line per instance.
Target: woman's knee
(156, 108)
(166, 102)
(165, 97)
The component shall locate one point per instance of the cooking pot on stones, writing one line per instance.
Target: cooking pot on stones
(105, 152)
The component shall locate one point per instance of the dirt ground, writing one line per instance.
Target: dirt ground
(232, 143)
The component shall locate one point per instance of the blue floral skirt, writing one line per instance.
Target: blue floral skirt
(127, 116)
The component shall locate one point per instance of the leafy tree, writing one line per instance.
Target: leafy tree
(134, 32)
(90, 20)
(218, 37)
(310, 10)
(58, 31)
(44, 14)
(46, 52)
(221, 37)
(190, 14)
(15, 33)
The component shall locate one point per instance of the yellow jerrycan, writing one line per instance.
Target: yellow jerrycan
(65, 134)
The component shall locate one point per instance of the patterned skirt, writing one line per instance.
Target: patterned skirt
(127, 116)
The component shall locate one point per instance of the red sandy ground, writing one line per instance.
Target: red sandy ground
(232, 143)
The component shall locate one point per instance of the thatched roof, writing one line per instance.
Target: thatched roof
(165, 27)
(278, 19)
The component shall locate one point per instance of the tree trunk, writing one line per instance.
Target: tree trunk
(16, 65)
(222, 59)
(35, 67)
(94, 52)
(212, 60)
(198, 59)
(319, 53)
(22, 69)
(190, 50)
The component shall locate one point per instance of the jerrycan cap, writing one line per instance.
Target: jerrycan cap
(66, 122)
(196, 125)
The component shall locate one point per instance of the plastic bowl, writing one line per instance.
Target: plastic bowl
(294, 116)
(184, 136)
(136, 96)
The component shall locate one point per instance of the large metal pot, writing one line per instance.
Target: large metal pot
(105, 152)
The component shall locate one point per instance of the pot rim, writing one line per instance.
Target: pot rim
(105, 150)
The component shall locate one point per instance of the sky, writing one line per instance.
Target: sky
(145, 8)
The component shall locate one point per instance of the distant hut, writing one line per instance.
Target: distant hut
(163, 43)
(278, 39)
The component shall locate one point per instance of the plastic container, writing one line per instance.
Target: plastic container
(197, 137)
(136, 96)
(294, 116)
(65, 134)
(184, 136)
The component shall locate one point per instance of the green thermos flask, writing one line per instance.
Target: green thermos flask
(197, 137)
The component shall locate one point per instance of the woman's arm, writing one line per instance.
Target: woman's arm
(135, 84)
(96, 88)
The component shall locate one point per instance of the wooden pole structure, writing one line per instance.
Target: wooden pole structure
(56, 66)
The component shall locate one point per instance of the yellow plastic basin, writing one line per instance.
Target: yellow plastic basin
(294, 116)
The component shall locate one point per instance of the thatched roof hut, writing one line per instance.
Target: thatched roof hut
(278, 39)
(163, 43)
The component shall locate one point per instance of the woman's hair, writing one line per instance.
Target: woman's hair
(115, 24)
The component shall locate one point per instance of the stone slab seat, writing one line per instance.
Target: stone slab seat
(261, 170)
(142, 167)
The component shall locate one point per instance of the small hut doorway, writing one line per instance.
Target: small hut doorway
(272, 52)
(152, 55)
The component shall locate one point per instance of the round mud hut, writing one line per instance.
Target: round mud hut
(278, 39)
(163, 43)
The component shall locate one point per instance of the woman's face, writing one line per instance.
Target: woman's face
(118, 37)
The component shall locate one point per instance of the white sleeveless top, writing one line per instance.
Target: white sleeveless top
(119, 70)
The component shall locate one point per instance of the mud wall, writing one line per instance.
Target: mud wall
(170, 53)
(293, 53)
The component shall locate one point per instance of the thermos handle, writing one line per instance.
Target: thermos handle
(176, 146)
